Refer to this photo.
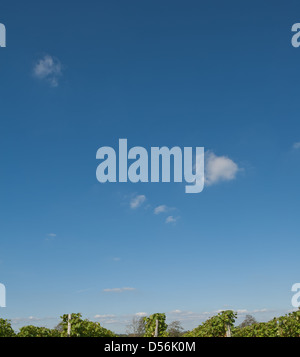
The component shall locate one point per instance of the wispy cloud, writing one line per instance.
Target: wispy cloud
(32, 320)
(163, 209)
(296, 145)
(25, 319)
(103, 316)
(49, 69)
(160, 209)
(260, 310)
(141, 314)
(171, 219)
(50, 236)
(118, 290)
(219, 168)
(198, 317)
(175, 311)
(113, 321)
(83, 291)
(137, 201)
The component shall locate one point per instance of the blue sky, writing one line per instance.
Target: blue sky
(76, 77)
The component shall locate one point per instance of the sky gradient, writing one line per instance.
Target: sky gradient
(78, 76)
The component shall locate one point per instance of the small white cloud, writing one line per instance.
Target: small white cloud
(116, 259)
(25, 319)
(293, 310)
(50, 237)
(49, 69)
(296, 145)
(112, 321)
(103, 316)
(219, 168)
(260, 310)
(171, 219)
(33, 318)
(242, 311)
(82, 291)
(118, 290)
(137, 201)
(141, 314)
(160, 209)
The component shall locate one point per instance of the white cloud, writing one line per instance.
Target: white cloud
(103, 316)
(48, 68)
(171, 219)
(141, 314)
(118, 290)
(260, 310)
(137, 201)
(112, 321)
(30, 319)
(196, 318)
(190, 315)
(82, 291)
(50, 237)
(293, 310)
(296, 145)
(219, 168)
(160, 209)
(116, 259)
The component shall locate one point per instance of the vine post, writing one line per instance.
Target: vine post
(156, 328)
(69, 325)
(228, 330)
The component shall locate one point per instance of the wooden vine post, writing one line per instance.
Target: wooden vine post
(228, 330)
(69, 325)
(156, 329)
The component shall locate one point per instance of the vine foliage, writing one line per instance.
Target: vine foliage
(150, 325)
(216, 326)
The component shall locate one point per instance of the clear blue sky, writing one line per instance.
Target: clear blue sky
(79, 75)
